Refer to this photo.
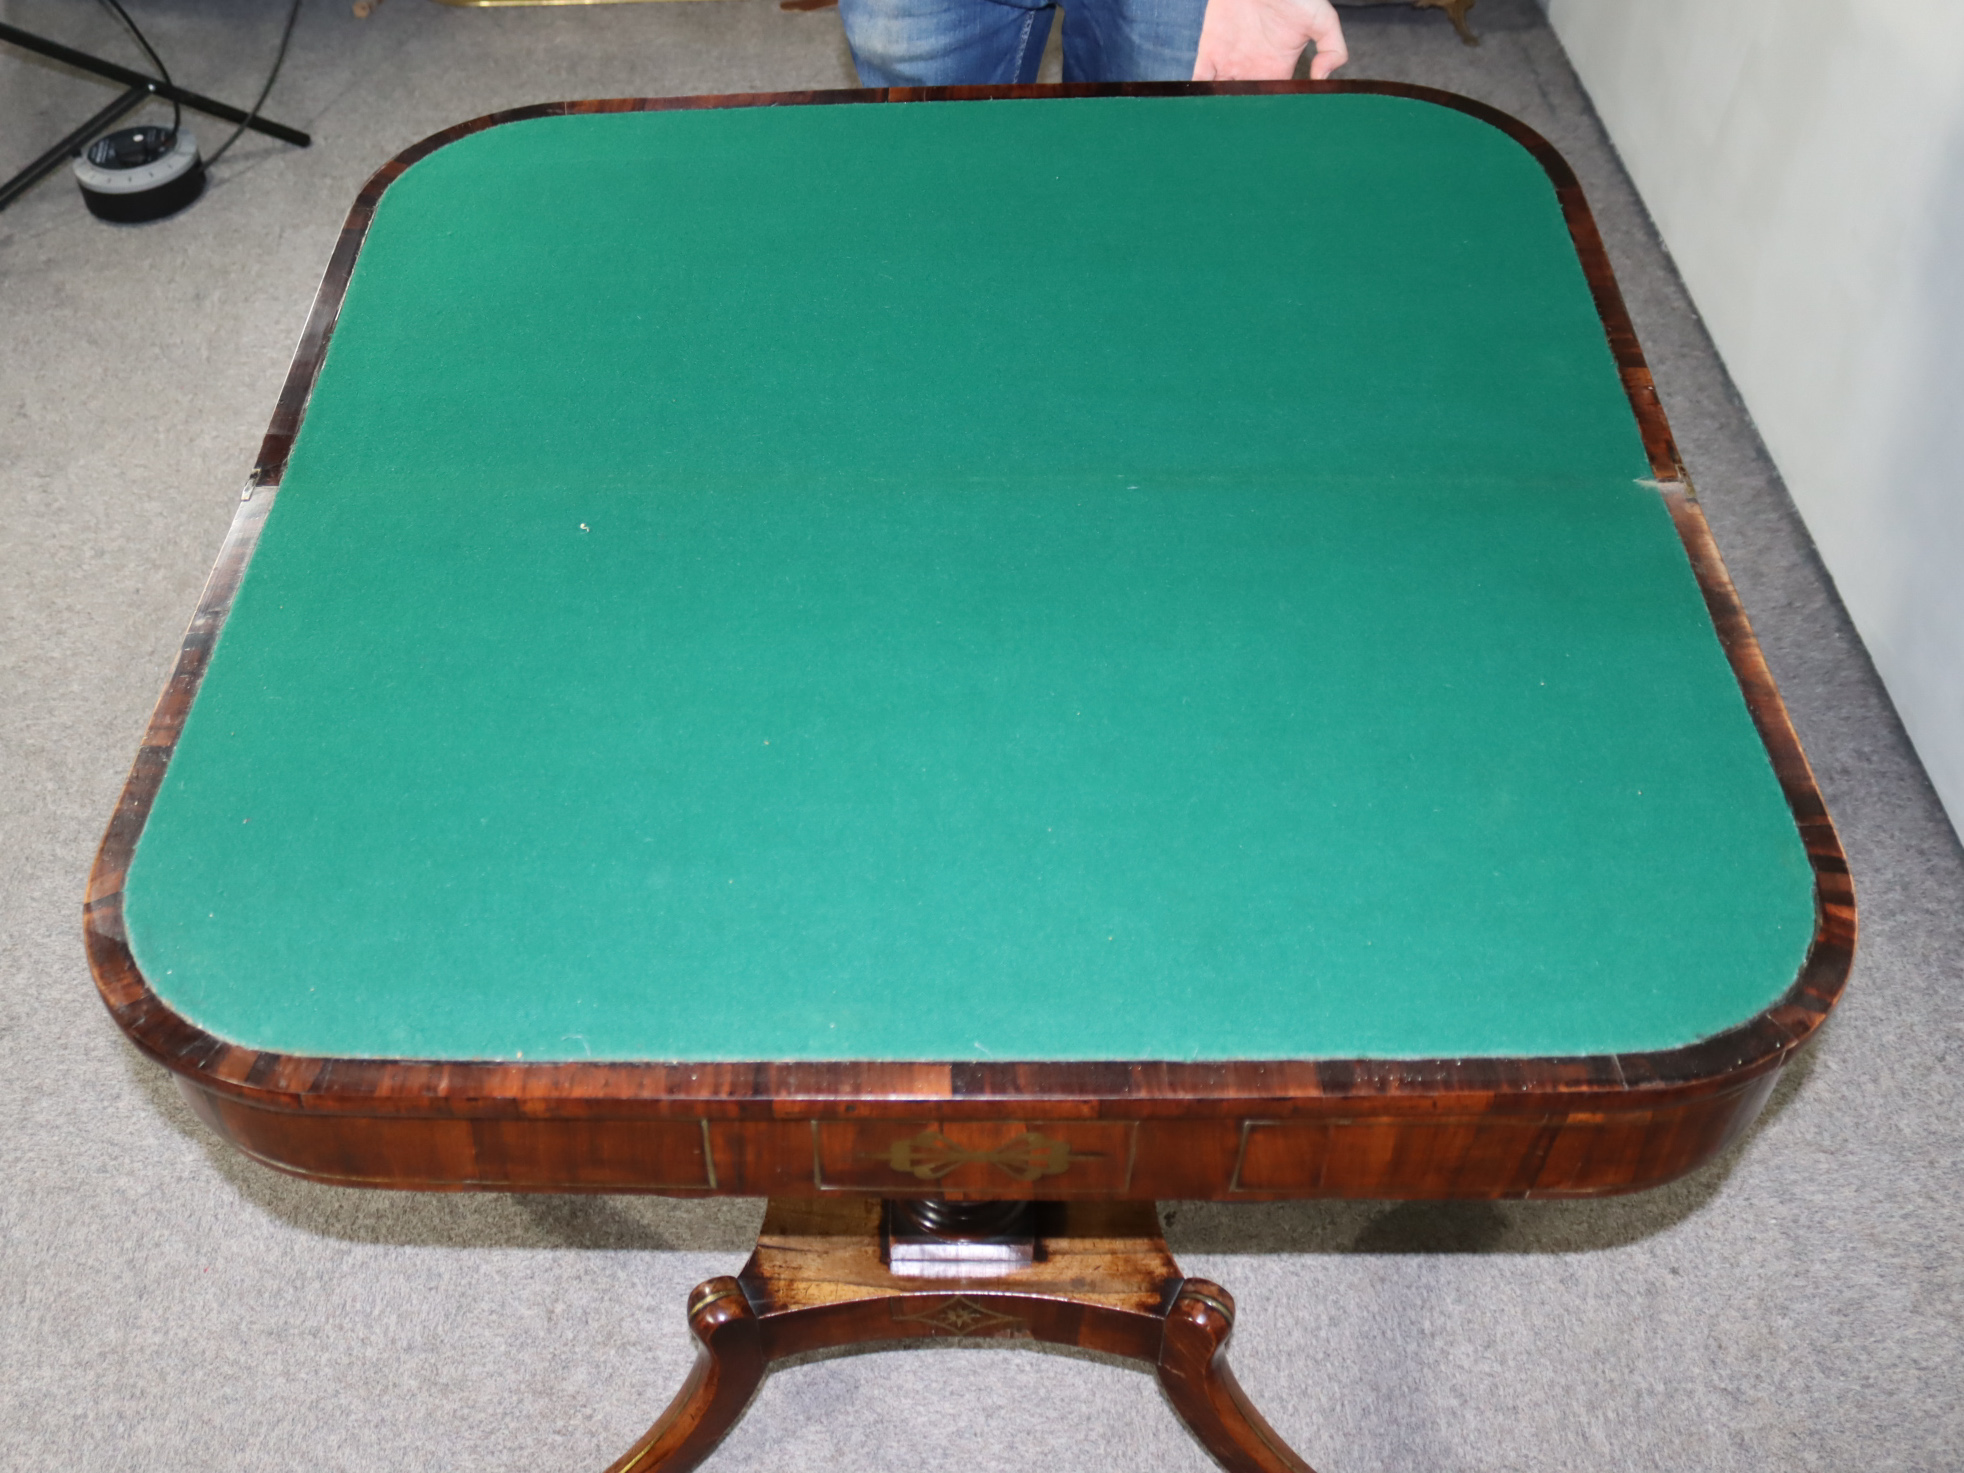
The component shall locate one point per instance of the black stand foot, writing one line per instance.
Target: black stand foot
(138, 87)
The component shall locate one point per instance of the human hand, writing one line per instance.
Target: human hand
(1261, 40)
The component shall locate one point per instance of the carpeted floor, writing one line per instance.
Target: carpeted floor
(166, 1304)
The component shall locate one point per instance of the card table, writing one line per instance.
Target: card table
(908, 651)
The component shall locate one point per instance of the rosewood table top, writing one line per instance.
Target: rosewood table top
(1133, 641)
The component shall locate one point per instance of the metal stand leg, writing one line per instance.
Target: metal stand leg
(139, 87)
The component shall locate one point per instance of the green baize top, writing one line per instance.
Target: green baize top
(1126, 578)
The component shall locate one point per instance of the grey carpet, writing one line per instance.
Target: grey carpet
(166, 1304)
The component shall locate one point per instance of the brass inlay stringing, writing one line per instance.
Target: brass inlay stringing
(1220, 1306)
(708, 1155)
(709, 1293)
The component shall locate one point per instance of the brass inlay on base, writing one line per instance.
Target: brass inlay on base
(1100, 1280)
(961, 1316)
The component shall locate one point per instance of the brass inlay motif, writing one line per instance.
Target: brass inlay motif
(961, 1316)
(930, 1156)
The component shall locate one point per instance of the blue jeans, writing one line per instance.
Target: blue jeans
(951, 43)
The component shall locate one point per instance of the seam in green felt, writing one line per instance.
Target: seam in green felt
(1134, 578)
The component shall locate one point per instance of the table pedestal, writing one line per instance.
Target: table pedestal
(1099, 1276)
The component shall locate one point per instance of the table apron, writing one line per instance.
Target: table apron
(1612, 1146)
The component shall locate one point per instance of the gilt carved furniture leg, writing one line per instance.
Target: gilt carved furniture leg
(1101, 1278)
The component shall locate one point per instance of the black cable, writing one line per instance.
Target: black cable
(279, 59)
(115, 8)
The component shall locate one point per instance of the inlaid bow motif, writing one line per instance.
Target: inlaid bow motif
(930, 1156)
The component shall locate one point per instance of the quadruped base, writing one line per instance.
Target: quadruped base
(1100, 1277)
